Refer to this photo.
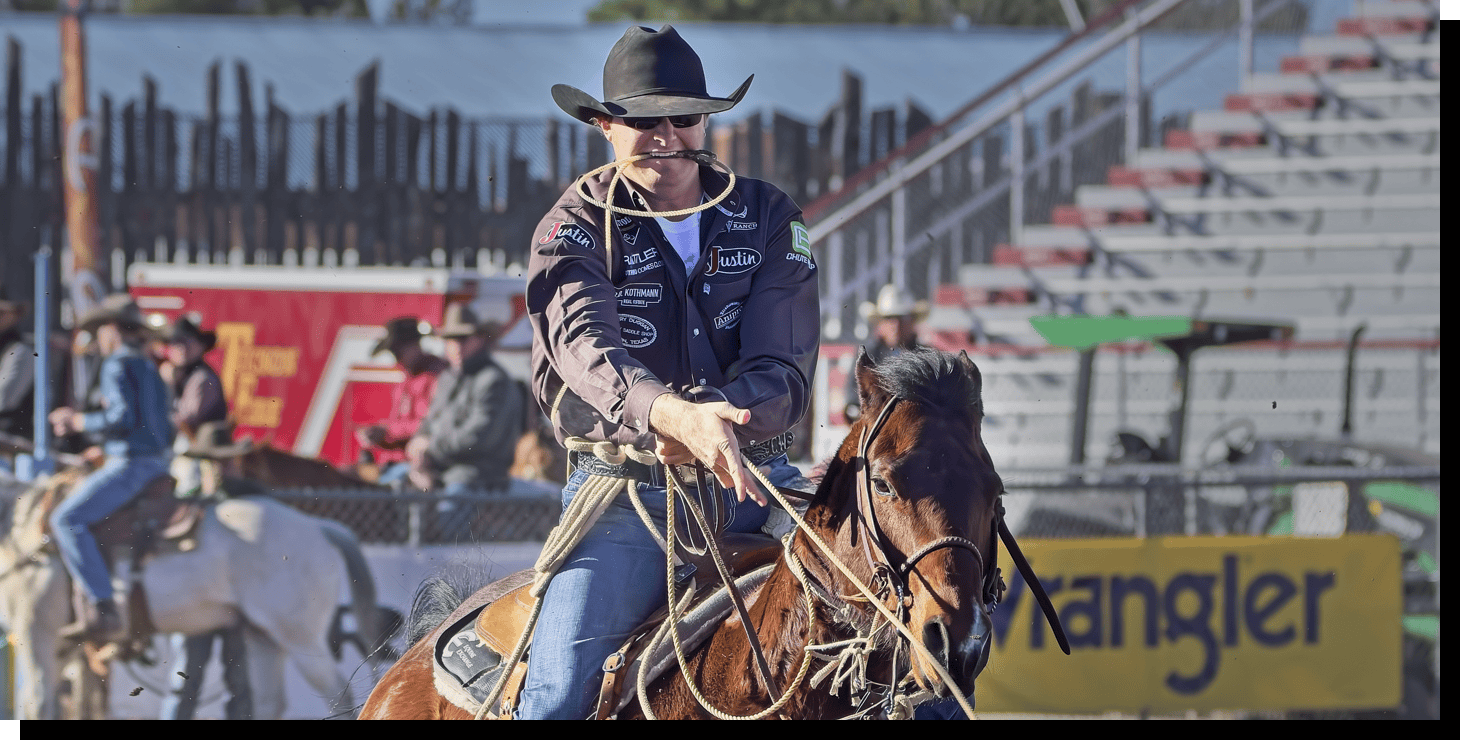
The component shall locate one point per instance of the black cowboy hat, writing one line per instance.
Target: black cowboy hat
(117, 308)
(214, 441)
(186, 327)
(648, 74)
(400, 330)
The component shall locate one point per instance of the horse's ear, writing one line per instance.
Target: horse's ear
(973, 374)
(969, 367)
(869, 394)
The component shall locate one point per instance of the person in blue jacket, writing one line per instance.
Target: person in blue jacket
(136, 428)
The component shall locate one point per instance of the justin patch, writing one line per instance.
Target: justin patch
(569, 232)
(731, 260)
(636, 331)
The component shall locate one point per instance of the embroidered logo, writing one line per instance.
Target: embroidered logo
(729, 316)
(743, 210)
(637, 332)
(731, 261)
(642, 262)
(570, 232)
(639, 294)
(800, 238)
(742, 225)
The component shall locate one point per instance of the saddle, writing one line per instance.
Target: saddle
(138, 529)
(469, 654)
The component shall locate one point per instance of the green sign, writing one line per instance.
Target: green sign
(1084, 332)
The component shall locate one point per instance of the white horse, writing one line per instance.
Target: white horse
(257, 561)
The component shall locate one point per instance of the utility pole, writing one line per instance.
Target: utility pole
(78, 163)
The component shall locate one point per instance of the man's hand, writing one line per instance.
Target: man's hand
(421, 479)
(370, 436)
(704, 432)
(416, 451)
(65, 420)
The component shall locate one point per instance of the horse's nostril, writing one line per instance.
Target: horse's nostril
(935, 639)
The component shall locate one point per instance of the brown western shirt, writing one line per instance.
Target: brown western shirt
(746, 320)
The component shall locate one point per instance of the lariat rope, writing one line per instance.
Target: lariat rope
(702, 156)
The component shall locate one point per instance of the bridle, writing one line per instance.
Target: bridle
(881, 558)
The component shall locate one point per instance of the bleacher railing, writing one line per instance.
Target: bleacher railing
(946, 197)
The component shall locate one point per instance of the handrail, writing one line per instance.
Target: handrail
(821, 204)
(937, 152)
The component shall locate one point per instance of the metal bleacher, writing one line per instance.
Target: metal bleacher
(1312, 197)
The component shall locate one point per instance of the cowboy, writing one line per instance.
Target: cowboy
(409, 401)
(723, 298)
(17, 373)
(134, 422)
(197, 391)
(465, 442)
(893, 319)
(217, 457)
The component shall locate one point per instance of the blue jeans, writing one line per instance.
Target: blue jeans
(94, 499)
(393, 472)
(194, 652)
(610, 584)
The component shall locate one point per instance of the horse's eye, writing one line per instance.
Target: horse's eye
(882, 487)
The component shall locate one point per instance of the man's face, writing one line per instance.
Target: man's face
(184, 350)
(108, 339)
(406, 354)
(664, 137)
(460, 348)
(896, 331)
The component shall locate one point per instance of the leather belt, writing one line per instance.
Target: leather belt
(653, 475)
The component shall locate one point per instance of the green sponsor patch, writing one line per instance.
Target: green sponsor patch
(800, 238)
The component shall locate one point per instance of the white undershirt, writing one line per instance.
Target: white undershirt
(685, 237)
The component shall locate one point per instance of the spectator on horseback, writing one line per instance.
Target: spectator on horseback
(212, 449)
(134, 422)
(894, 320)
(465, 442)
(197, 392)
(721, 297)
(17, 373)
(409, 401)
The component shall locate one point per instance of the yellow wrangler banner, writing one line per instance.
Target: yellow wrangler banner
(1178, 623)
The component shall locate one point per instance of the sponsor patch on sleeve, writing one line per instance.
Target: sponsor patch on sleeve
(572, 233)
(800, 238)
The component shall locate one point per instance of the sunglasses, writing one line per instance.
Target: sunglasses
(649, 124)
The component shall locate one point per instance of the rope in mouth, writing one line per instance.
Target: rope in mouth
(702, 156)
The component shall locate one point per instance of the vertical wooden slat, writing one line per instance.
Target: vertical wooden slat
(339, 199)
(247, 164)
(169, 185)
(413, 220)
(367, 194)
(106, 201)
(13, 252)
(209, 195)
(792, 156)
(129, 202)
(276, 168)
(392, 187)
(451, 192)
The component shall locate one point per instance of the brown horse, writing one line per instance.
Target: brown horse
(274, 467)
(910, 503)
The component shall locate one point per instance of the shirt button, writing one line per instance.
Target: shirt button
(697, 332)
(703, 381)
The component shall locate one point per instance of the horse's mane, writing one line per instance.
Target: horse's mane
(930, 378)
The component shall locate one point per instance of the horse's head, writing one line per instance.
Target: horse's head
(919, 499)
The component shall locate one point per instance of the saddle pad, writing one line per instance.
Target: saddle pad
(466, 667)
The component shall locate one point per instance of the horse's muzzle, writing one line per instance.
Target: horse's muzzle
(965, 660)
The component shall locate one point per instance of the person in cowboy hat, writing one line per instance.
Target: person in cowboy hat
(724, 298)
(17, 373)
(894, 318)
(409, 400)
(465, 442)
(197, 391)
(135, 423)
(217, 455)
